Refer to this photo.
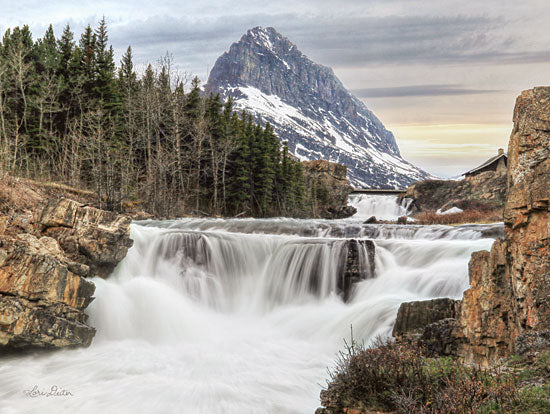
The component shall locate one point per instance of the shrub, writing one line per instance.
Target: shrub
(399, 377)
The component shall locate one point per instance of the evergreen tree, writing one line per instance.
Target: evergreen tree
(104, 85)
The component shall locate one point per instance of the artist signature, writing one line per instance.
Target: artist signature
(54, 391)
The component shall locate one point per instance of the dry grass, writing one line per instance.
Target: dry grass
(16, 196)
(22, 194)
(467, 216)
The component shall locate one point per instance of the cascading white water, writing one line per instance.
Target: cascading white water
(237, 316)
(381, 206)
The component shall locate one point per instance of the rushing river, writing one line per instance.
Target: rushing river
(221, 316)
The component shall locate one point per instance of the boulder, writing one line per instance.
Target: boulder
(413, 317)
(371, 220)
(341, 212)
(431, 324)
(440, 338)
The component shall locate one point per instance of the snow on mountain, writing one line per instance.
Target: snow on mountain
(309, 107)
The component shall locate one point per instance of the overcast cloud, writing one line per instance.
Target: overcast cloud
(420, 65)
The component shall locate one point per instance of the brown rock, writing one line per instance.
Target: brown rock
(41, 300)
(3, 224)
(331, 189)
(510, 286)
(97, 238)
(25, 323)
(43, 292)
(487, 313)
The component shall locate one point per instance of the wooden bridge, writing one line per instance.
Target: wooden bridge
(378, 191)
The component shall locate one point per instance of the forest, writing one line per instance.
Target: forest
(69, 114)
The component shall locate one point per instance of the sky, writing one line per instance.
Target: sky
(442, 75)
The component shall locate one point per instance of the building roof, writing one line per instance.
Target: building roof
(488, 162)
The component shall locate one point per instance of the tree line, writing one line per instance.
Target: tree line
(68, 113)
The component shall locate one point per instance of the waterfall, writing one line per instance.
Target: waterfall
(239, 316)
(383, 207)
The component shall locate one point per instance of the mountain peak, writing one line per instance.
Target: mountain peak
(309, 107)
(265, 36)
(266, 39)
(263, 31)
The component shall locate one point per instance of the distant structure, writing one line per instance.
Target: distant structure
(498, 163)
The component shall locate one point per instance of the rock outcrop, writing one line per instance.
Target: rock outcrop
(43, 270)
(96, 238)
(359, 265)
(485, 191)
(510, 286)
(487, 326)
(507, 307)
(413, 317)
(431, 324)
(332, 189)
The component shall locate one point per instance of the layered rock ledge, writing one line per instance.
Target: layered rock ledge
(45, 260)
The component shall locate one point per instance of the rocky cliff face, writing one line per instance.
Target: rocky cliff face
(507, 307)
(510, 286)
(43, 268)
(309, 107)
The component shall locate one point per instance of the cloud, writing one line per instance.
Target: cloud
(419, 90)
(359, 41)
(386, 32)
(336, 41)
